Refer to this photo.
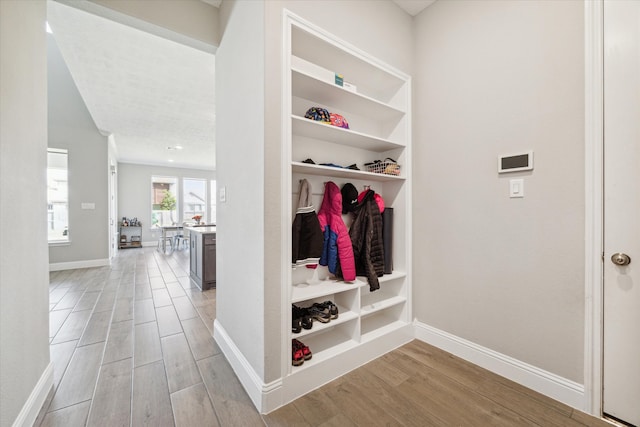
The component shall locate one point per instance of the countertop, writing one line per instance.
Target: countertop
(210, 229)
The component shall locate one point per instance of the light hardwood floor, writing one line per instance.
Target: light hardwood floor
(131, 345)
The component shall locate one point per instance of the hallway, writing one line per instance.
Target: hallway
(131, 345)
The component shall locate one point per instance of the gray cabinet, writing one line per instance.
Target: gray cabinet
(203, 258)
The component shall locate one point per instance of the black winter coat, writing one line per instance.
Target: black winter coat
(366, 238)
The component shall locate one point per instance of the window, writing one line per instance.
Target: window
(57, 196)
(194, 194)
(163, 201)
(212, 201)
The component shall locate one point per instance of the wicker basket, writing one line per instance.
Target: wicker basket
(387, 166)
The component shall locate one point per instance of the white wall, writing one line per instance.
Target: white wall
(240, 117)
(134, 192)
(491, 78)
(71, 127)
(24, 280)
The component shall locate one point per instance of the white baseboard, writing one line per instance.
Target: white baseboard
(267, 397)
(31, 408)
(263, 396)
(547, 383)
(79, 264)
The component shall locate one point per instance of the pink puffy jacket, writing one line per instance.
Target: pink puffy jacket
(337, 243)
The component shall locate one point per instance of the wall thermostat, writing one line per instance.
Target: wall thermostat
(516, 162)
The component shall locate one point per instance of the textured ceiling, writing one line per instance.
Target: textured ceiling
(149, 92)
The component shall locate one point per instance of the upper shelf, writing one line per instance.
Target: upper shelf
(311, 169)
(372, 77)
(312, 88)
(317, 130)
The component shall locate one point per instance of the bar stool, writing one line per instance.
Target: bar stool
(167, 239)
(181, 242)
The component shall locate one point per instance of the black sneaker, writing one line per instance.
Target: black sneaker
(329, 308)
(296, 321)
(300, 318)
(319, 314)
(306, 321)
(333, 309)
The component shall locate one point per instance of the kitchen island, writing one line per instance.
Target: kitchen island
(202, 244)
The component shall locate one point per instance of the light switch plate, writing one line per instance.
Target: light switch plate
(516, 188)
(86, 205)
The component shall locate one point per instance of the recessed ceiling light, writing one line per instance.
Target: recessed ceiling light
(170, 160)
(175, 147)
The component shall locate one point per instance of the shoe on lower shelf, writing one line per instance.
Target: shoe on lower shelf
(328, 307)
(296, 325)
(319, 314)
(306, 352)
(300, 319)
(297, 356)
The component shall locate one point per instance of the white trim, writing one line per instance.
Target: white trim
(286, 189)
(57, 266)
(32, 406)
(547, 383)
(140, 24)
(263, 395)
(594, 156)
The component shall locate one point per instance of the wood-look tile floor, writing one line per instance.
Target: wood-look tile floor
(131, 345)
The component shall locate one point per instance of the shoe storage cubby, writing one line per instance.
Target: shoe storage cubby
(391, 293)
(382, 321)
(374, 98)
(345, 297)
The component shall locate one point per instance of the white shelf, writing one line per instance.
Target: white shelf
(309, 87)
(305, 291)
(388, 277)
(343, 316)
(324, 347)
(382, 329)
(355, 68)
(318, 130)
(310, 169)
(372, 308)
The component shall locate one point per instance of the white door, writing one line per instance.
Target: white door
(621, 369)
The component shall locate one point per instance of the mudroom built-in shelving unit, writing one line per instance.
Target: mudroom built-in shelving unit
(377, 106)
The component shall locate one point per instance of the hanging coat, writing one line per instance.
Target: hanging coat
(366, 236)
(307, 238)
(337, 251)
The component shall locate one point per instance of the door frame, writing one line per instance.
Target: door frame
(594, 205)
(113, 209)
